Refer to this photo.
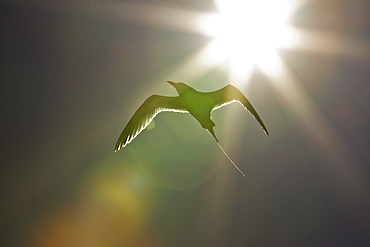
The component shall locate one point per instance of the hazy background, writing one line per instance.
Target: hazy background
(74, 72)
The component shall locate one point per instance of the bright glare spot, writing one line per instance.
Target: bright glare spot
(269, 61)
(248, 32)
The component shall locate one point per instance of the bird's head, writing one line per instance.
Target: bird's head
(180, 87)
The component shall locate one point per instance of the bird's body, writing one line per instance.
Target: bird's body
(198, 104)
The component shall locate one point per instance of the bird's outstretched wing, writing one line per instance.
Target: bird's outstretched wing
(230, 94)
(145, 114)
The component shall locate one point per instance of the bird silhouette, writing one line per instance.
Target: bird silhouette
(198, 104)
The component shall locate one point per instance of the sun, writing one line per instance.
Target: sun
(247, 33)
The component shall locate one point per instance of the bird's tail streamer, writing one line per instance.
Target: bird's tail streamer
(232, 162)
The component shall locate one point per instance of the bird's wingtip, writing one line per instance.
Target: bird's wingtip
(117, 148)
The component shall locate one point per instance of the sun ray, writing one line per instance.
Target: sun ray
(136, 14)
(328, 42)
(318, 130)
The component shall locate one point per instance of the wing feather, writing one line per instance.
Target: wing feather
(230, 94)
(145, 114)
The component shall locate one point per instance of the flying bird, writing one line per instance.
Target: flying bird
(198, 104)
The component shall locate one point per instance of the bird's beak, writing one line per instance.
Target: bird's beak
(172, 83)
